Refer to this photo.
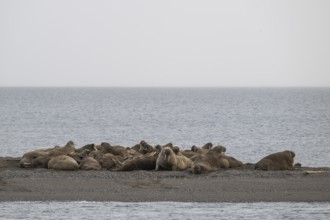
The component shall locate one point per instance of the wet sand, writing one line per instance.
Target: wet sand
(235, 185)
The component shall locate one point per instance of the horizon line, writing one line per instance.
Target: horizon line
(166, 87)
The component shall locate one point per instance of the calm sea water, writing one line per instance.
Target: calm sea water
(251, 123)
(162, 210)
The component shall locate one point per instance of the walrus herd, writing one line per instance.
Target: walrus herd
(143, 156)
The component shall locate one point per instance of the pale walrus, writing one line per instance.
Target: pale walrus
(277, 161)
(39, 158)
(63, 162)
(168, 160)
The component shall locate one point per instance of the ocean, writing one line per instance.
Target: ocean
(250, 122)
(162, 210)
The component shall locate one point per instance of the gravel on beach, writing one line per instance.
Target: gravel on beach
(232, 185)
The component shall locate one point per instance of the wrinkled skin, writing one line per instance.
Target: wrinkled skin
(277, 161)
(209, 162)
(145, 148)
(115, 150)
(168, 160)
(40, 158)
(233, 162)
(143, 162)
(63, 162)
(141, 156)
(188, 153)
(214, 160)
(89, 163)
(199, 150)
(35, 159)
(110, 161)
(207, 146)
(86, 148)
(219, 149)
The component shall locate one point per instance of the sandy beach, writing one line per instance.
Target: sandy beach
(234, 185)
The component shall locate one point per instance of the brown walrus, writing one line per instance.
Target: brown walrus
(110, 161)
(168, 160)
(115, 149)
(214, 160)
(145, 147)
(277, 161)
(209, 162)
(199, 150)
(207, 146)
(143, 162)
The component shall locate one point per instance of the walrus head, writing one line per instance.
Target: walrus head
(168, 145)
(167, 152)
(144, 143)
(194, 148)
(290, 153)
(70, 145)
(207, 146)
(219, 149)
(158, 148)
(176, 149)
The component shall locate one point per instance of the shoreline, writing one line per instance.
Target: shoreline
(232, 185)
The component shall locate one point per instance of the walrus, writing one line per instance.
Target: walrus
(35, 159)
(188, 153)
(219, 149)
(209, 163)
(169, 145)
(110, 161)
(199, 150)
(88, 147)
(63, 162)
(67, 149)
(143, 162)
(136, 147)
(132, 152)
(277, 161)
(89, 163)
(145, 147)
(39, 158)
(115, 150)
(168, 160)
(81, 154)
(233, 162)
(207, 146)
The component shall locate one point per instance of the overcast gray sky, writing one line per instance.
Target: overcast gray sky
(164, 43)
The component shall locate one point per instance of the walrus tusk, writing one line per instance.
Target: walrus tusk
(27, 164)
(306, 172)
